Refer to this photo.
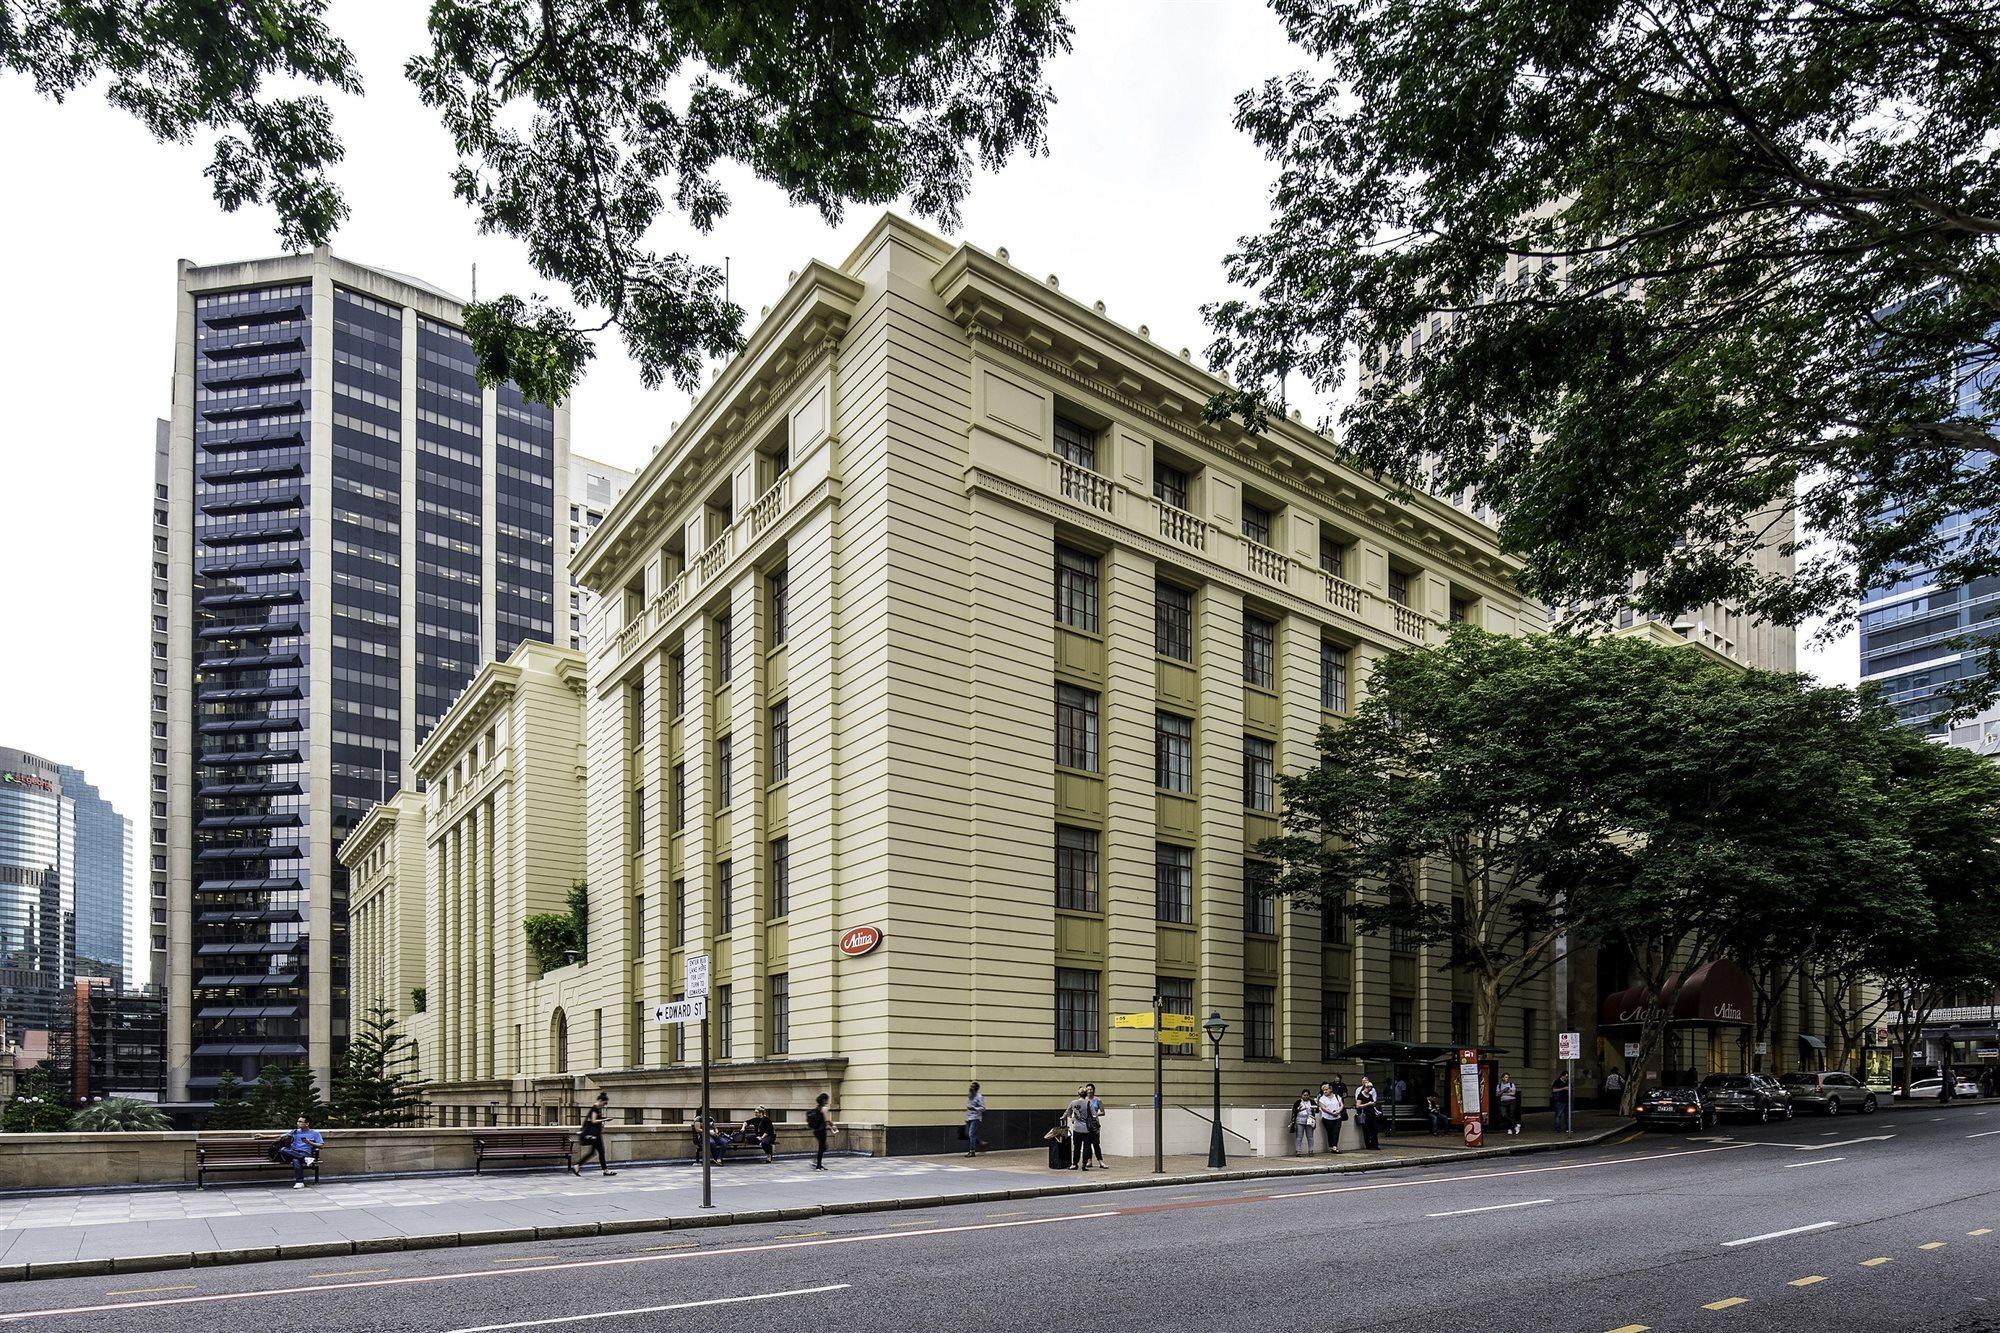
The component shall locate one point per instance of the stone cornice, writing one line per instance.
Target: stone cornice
(489, 691)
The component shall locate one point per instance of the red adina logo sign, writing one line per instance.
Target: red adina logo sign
(860, 940)
(14, 779)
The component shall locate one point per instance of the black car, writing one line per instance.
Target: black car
(1675, 1108)
(1756, 1097)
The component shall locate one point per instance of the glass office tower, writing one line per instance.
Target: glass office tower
(103, 883)
(352, 526)
(37, 895)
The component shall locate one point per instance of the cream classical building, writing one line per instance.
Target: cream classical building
(384, 857)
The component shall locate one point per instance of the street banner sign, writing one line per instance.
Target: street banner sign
(1569, 1046)
(681, 1011)
(697, 977)
(1144, 1020)
(1175, 1036)
(1170, 1024)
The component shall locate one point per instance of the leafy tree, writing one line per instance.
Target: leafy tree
(230, 1109)
(283, 1094)
(378, 1086)
(579, 124)
(420, 998)
(554, 936)
(1683, 277)
(119, 1115)
(40, 1105)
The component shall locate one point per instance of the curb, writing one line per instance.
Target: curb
(323, 1249)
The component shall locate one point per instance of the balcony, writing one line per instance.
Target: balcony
(1411, 624)
(768, 507)
(1341, 595)
(712, 561)
(1084, 487)
(1267, 563)
(1178, 525)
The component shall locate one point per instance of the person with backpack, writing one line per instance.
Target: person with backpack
(975, 1114)
(591, 1135)
(821, 1124)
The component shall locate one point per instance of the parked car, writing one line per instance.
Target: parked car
(1674, 1108)
(1933, 1088)
(1828, 1093)
(1756, 1097)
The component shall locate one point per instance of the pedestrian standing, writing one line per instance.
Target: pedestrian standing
(301, 1148)
(975, 1115)
(1305, 1120)
(1077, 1116)
(1508, 1094)
(1332, 1110)
(1095, 1143)
(1559, 1100)
(1614, 1085)
(821, 1124)
(1366, 1100)
(591, 1135)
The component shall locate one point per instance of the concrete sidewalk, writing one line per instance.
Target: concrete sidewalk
(47, 1235)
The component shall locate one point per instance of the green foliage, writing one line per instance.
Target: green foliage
(230, 1109)
(282, 1095)
(551, 939)
(190, 67)
(1687, 276)
(378, 1086)
(420, 998)
(40, 1104)
(120, 1115)
(578, 901)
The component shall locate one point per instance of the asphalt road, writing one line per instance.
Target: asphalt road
(1881, 1222)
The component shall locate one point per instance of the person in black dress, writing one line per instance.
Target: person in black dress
(591, 1135)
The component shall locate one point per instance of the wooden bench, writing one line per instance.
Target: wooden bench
(244, 1155)
(737, 1142)
(513, 1145)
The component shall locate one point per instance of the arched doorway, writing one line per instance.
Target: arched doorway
(559, 1042)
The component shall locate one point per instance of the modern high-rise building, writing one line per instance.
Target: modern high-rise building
(37, 895)
(352, 525)
(103, 876)
(593, 488)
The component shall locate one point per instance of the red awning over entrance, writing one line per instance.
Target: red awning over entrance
(1714, 994)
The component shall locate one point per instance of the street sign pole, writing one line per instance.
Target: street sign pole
(707, 1199)
(1159, 1067)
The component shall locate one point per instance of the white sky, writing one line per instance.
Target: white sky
(1146, 187)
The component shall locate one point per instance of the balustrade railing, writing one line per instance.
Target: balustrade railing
(1082, 486)
(1178, 525)
(1341, 594)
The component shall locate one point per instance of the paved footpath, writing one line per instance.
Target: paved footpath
(47, 1234)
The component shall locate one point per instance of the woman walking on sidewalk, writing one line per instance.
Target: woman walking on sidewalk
(1305, 1116)
(1332, 1110)
(821, 1124)
(975, 1114)
(591, 1135)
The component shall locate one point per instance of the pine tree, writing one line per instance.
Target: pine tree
(231, 1110)
(40, 1104)
(378, 1087)
(284, 1094)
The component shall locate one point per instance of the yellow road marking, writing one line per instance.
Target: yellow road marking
(912, 1222)
(1931, 1245)
(680, 1245)
(1726, 1302)
(1018, 1212)
(524, 1259)
(347, 1272)
(1983, 1231)
(1804, 1281)
(799, 1235)
(1632, 1328)
(1874, 1263)
(142, 1291)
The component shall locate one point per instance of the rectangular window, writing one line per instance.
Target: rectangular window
(1176, 997)
(1260, 904)
(1076, 869)
(680, 912)
(725, 769)
(1399, 587)
(1332, 1023)
(1332, 676)
(781, 740)
(725, 897)
(638, 925)
(1332, 555)
(781, 877)
(680, 796)
(676, 1037)
(1170, 485)
(780, 584)
(1260, 769)
(1076, 443)
(638, 821)
(1076, 589)
(1461, 1023)
(1173, 622)
(1173, 752)
(1076, 728)
(1530, 1030)
(677, 673)
(1402, 1018)
(725, 1027)
(1333, 917)
(1461, 610)
(725, 650)
(1260, 1022)
(1173, 883)
(781, 1014)
(1257, 523)
(1260, 652)
(1077, 1006)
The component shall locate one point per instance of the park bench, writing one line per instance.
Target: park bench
(737, 1142)
(521, 1144)
(243, 1155)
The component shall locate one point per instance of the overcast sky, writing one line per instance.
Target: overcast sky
(1146, 186)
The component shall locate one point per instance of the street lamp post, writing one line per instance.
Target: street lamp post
(1215, 1027)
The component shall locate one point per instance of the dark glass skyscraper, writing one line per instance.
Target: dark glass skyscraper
(103, 882)
(353, 526)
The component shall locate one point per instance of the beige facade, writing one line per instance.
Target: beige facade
(384, 857)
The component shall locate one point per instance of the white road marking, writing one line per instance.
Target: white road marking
(427, 1278)
(1490, 1208)
(1844, 1143)
(1817, 1161)
(1773, 1235)
(1984, 1134)
(1500, 1175)
(655, 1309)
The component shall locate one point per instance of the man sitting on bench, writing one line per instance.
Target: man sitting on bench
(718, 1142)
(301, 1148)
(759, 1130)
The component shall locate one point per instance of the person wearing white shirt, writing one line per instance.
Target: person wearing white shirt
(1331, 1112)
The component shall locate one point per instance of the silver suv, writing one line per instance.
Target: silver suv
(1830, 1093)
(1756, 1097)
